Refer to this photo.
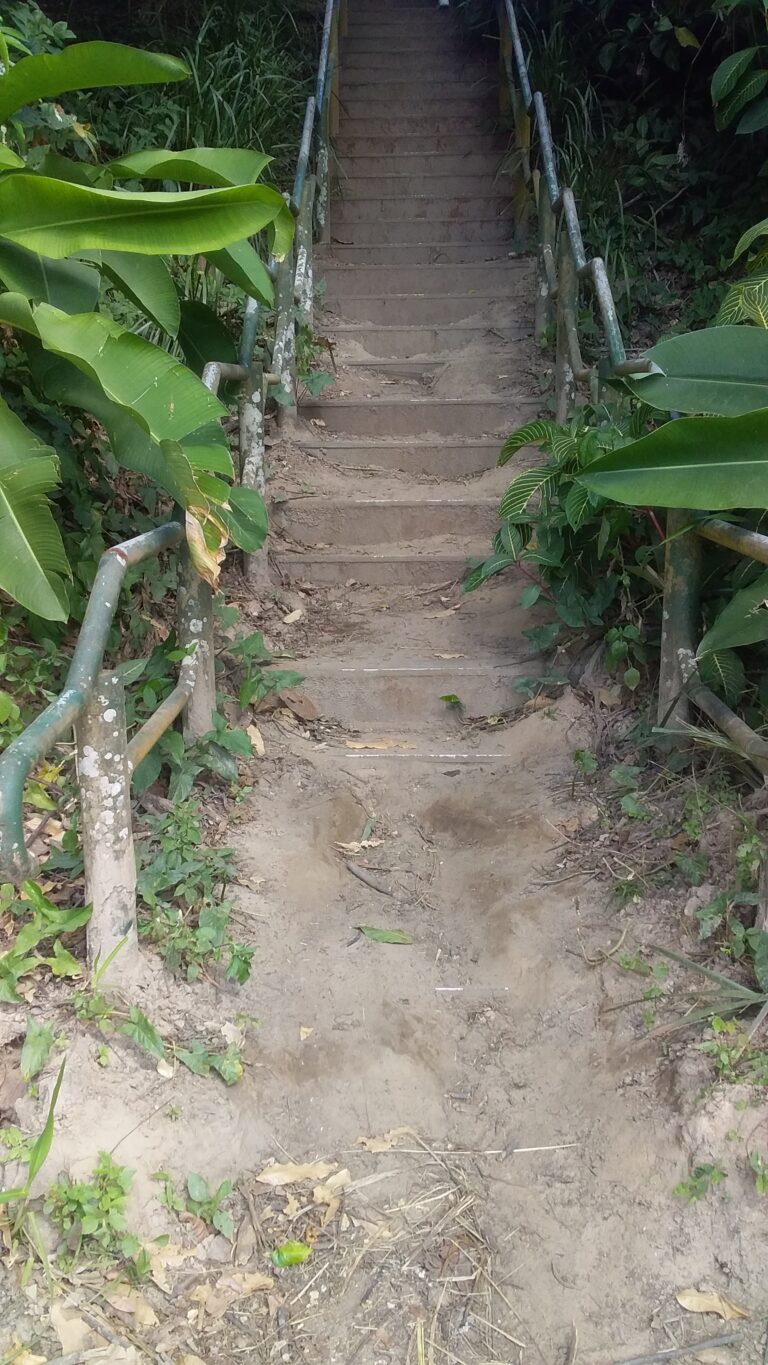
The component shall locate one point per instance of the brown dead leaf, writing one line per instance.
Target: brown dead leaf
(293, 616)
(378, 744)
(300, 705)
(357, 846)
(257, 740)
(73, 1331)
(330, 1194)
(190, 1360)
(130, 1302)
(216, 1298)
(292, 1205)
(292, 1172)
(305, 1032)
(245, 1242)
(386, 1142)
(710, 1301)
(163, 1259)
(23, 1357)
(609, 696)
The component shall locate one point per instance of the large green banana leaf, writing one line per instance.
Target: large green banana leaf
(204, 336)
(59, 219)
(245, 268)
(68, 285)
(712, 463)
(32, 559)
(215, 166)
(158, 392)
(83, 66)
(722, 370)
(146, 281)
(743, 621)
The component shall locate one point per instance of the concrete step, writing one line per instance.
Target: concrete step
(415, 254)
(366, 121)
(363, 695)
(389, 65)
(347, 521)
(430, 232)
(397, 46)
(448, 459)
(419, 565)
(445, 108)
(406, 166)
(403, 143)
(404, 310)
(414, 416)
(409, 342)
(402, 184)
(350, 282)
(416, 209)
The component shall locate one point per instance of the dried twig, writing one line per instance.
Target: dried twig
(368, 878)
(675, 1352)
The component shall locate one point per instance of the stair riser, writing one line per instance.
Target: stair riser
(383, 123)
(411, 309)
(350, 212)
(363, 698)
(314, 521)
(414, 254)
(444, 461)
(454, 185)
(376, 571)
(393, 48)
(406, 167)
(408, 68)
(493, 278)
(400, 145)
(365, 114)
(430, 233)
(434, 342)
(419, 418)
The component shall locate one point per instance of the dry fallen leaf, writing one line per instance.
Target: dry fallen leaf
(300, 705)
(73, 1331)
(130, 1301)
(386, 1142)
(378, 744)
(165, 1069)
(257, 740)
(609, 696)
(190, 1360)
(245, 1242)
(710, 1301)
(26, 1358)
(293, 616)
(305, 1032)
(292, 1205)
(216, 1298)
(291, 1172)
(357, 846)
(163, 1259)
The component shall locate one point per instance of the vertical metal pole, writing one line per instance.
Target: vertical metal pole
(284, 350)
(105, 802)
(252, 471)
(323, 195)
(304, 279)
(195, 606)
(567, 304)
(546, 260)
(505, 61)
(680, 619)
(333, 113)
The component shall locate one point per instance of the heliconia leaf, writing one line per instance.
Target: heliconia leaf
(204, 336)
(157, 391)
(9, 161)
(214, 166)
(246, 518)
(729, 73)
(560, 441)
(59, 219)
(33, 560)
(67, 284)
(242, 265)
(713, 463)
(743, 621)
(83, 66)
(524, 487)
(722, 370)
(147, 282)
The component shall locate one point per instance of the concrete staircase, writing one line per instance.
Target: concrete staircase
(393, 484)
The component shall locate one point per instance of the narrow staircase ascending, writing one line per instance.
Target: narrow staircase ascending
(392, 485)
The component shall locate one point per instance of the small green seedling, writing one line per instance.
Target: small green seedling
(206, 1203)
(700, 1182)
(760, 1167)
(90, 1215)
(453, 702)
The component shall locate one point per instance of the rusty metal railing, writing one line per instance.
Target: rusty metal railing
(92, 701)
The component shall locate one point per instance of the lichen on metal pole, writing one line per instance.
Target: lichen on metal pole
(284, 349)
(546, 272)
(195, 607)
(252, 457)
(105, 802)
(567, 305)
(680, 618)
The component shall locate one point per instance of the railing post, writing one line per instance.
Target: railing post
(195, 606)
(334, 67)
(304, 279)
(252, 455)
(546, 264)
(680, 619)
(567, 305)
(284, 350)
(105, 800)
